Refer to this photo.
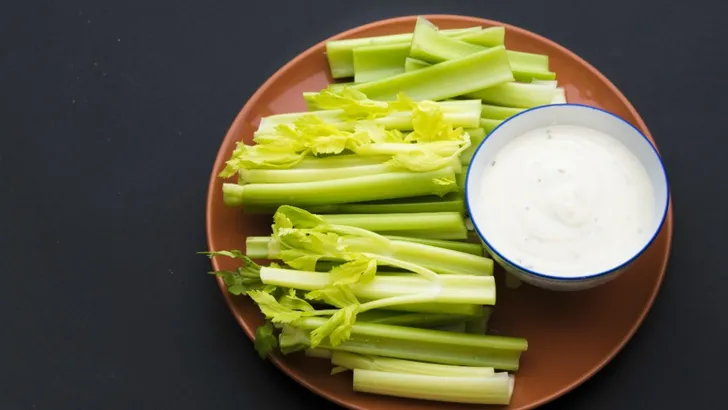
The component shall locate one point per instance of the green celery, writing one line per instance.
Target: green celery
(467, 155)
(463, 176)
(408, 319)
(496, 112)
(479, 325)
(387, 364)
(338, 86)
(488, 37)
(448, 203)
(339, 161)
(431, 46)
(425, 345)
(520, 95)
(489, 125)
(357, 189)
(340, 53)
(449, 225)
(283, 176)
(413, 64)
(471, 390)
(449, 79)
(437, 308)
(319, 353)
(465, 289)
(376, 62)
(466, 247)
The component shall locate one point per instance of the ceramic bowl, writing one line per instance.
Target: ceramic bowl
(578, 115)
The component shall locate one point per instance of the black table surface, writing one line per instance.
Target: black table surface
(112, 114)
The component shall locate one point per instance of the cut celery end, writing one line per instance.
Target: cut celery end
(487, 37)
(470, 390)
(384, 317)
(376, 62)
(496, 112)
(449, 79)
(340, 53)
(559, 96)
(387, 364)
(489, 125)
(449, 222)
(518, 95)
(357, 189)
(465, 289)
(413, 64)
(437, 308)
(465, 247)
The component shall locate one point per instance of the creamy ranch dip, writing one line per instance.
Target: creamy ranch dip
(566, 201)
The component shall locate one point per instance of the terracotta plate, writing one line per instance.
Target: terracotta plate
(571, 335)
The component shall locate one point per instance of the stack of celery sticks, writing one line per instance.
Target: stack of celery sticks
(371, 266)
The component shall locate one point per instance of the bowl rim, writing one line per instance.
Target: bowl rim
(592, 276)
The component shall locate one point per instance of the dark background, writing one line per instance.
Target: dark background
(112, 113)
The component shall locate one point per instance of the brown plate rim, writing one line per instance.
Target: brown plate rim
(220, 159)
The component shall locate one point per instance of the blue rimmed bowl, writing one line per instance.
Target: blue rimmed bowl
(575, 115)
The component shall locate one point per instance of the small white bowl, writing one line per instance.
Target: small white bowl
(566, 114)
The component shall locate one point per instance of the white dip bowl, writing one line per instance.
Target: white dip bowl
(570, 248)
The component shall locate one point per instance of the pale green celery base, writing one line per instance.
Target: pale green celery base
(445, 80)
(518, 95)
(376, 62)
(387, 364)
(472, 390)
(341, 56)
(496, 112)
(357, 189)
(256, 247)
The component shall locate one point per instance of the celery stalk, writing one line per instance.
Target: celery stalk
(413, 64)
(387, 364)
(365, 188)
(488, 37)
(449, 203)
(465, 289)
(496, 112)
(319, 353)
(520, 95)
(449, 224)
(283, 176)
(340, 53)
(466, 247)
(459, 113)
(449, 79)
(489, 125)
(473, 390)
(431, 46)
(437, 308)
(559, 96)
(408, 319)
(425, 345)
(375, 62)
(479, 325)
(467, 155)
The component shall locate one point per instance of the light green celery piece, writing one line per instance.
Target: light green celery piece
(487, 37)
(413, 64)
(466, 247)
(429, 45)
(496, 112)
(449, 79)
(357, 189)
(489, 125)
(462, 289)
(376, 62)
(518, 95)
(387, 364)
(479, 325)
(339, 161)
(450, 224)
(283, 176)
(436, 308)
(459, 113)
(256, 247)
(559, 96)
(453, 202)
(467, 155)
(340, 53)
(338, 86)
(470, 390)
(427, 345)
(409, 319)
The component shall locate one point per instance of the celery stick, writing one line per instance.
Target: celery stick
(453, 327)
(473, 390)
(376, 62)
(459, 113)
(467, 155)
(438, 308)
(413, 64)
(256, 247)
(425, 345)
(340, 53)
(448, 203)
(430, 46)
(496, 112)
(366, 188)
(489, 125)
(338, 86)
(385, 317)
(476, 133)
(463, 176)
(465, 289)
(520, 95)
(387, 364)
(559, 96)
(319, 353)
(339, 161)
(466, 247)
(449, 223)
(449, 79)
(282, 176)
(479, 325)
(488, 37)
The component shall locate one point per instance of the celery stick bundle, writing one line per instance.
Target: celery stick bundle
(373, 303)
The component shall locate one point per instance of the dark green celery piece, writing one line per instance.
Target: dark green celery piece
(384, 317)
(377, 62)
(340, 53)
(453, 78)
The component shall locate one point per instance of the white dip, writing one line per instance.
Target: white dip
(566, 201)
